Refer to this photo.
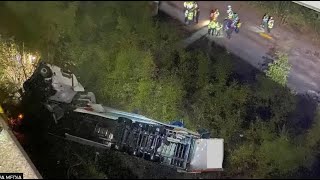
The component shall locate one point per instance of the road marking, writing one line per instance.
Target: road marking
(265, 35)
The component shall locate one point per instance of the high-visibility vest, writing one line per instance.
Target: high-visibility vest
(211, 25)
(218, 26)
(230, 15)
(270, 23)
(1, 110)
(190, 15)
(214, 24)
(238, 25)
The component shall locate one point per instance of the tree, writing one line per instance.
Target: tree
(16, 65)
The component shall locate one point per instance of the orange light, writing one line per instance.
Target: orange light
(20, 116)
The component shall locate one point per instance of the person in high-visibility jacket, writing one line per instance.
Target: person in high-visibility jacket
(196, 11)
(238, 25)
(216, 14)
(188, 5)
(264, 20)
(185, 11)
(211, 15)
(218, 28)
(186, 15)
(230, 12)
(270, 24)
(235, 19)
(211, 27)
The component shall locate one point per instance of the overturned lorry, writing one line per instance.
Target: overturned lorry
(78, 117)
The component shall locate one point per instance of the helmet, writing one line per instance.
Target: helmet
(229, 6)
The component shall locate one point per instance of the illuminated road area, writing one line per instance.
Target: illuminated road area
(253, 45)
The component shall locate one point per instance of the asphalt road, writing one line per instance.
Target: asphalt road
(252, 44)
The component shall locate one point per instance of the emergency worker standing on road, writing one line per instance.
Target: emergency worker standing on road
(188, 10)
(230, 12)
(185, 4)
(228, 26)
(235, 19)
(216, 14)
(211, 15)
(218, 29)
(196, 11)
(264, 20)
(238, 24)
(186, 16)
(270, 24)
(211, 27)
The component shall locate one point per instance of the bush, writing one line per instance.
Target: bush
(279, 69)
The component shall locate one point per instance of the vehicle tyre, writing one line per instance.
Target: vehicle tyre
(45, 72)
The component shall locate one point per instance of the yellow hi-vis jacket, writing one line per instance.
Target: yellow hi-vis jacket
(212, 25)
(190, 15)
(238, 24)
(218, 26)
(270, 23)
(1, 110)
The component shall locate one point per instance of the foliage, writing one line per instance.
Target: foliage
(16, 65)
(279, 69)
(131, 62)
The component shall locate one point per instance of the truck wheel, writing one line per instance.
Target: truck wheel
(46, 72)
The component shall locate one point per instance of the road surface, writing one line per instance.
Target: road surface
(252, 46)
